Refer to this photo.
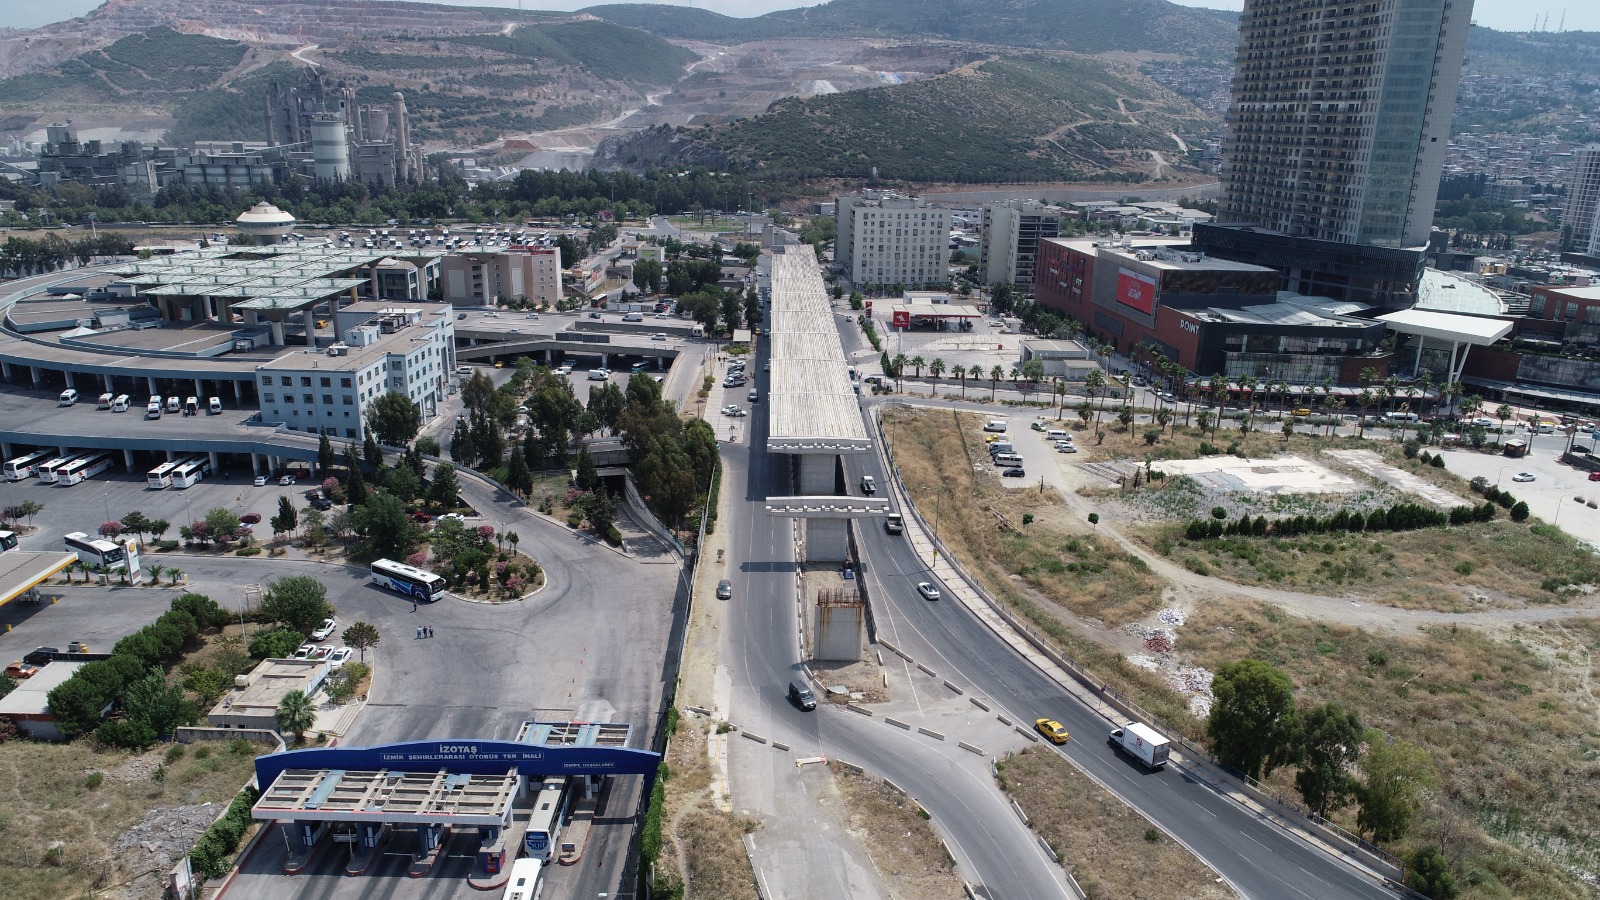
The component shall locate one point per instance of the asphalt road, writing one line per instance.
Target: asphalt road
(1258, 858)
(761, 653)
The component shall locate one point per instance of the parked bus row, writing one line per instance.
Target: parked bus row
(182, 472)
(51, 468)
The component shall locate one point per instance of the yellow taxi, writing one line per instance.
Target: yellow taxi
(1052, 730)
(1301, 413)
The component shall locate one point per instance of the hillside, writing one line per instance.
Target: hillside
(1017, 118)
(1083, 26)
(464, 85)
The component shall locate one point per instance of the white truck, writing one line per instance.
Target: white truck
(1142, 743)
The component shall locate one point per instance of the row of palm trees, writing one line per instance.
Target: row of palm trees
(156, 570)
(1028, 374)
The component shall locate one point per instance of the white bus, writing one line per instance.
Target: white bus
(160, 477)
(95, 552)
(416, 583)
(548, 816)
(83, 468)
(8, 541)
(47, 470)
(524, 881)
(190, 471)
(23, 466)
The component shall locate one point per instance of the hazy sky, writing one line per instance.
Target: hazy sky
(1507, 15)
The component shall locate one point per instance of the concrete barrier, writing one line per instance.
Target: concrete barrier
(892, 649)
(895, 787)
(852, 767)
(931, 733)
(927, 671)
(1003, 720)
(754, 737)
(860, 709)
(778, 746)
(698, 710)
(1020, 814)
(954, 688)
(969, 890)
(969, 748)
(897, 723)
(979, 704)
(1043, 845)
(1027, 734)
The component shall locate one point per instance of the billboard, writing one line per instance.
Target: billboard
(1137, 290)
(902, 318)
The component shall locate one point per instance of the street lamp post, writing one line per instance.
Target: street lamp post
(1499, 473)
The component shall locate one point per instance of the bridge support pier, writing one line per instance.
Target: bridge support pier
(827, 540)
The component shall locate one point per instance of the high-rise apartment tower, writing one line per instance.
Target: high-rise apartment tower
(1582, 215)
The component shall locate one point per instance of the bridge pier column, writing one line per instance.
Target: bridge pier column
(34, 371)
(214, 469)
(5, 449)
(5, 371)
(255, 464)
(111, 387)
(152, 383)
(827, 540)
(429, 836)
(817, 473)
(127, 460)
(605, 360)
(236, 395)
(199, 391)
(306, 834)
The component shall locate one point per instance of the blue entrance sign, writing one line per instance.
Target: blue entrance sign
(467, 757)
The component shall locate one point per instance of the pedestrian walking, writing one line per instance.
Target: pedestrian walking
(430, 631)
(419, 632)
(413, 605)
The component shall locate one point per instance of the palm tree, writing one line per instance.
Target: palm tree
(899, 369)
(1060, 388)
(1203, 420)
(1164, 417)
(1504, 413)
(296, 714)
(174, 573)
(1338, 408)
(1093, 383)
(1364, 400)
(1404, 409)
(1327, 391)
(995, 374)
(936, 368)
(155, 572)
(1471, 405)
(960, 372)
(917, 363)
(1425, 381)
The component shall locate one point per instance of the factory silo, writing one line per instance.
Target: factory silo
(329, 149)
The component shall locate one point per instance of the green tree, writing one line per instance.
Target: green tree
(389, 531)
(1519, 512)
(135, 523)
(607, 402)
(1395, 775)
(462, 450)
(325, 456)
(300, 602)
(1428, 873)
(355, 488)
(371, 452)
(518, 476)
(208, 683)
(75, 706)
(445, 488)
(394, 418)
(222, 522)
(588, 477)
(296, 714)
(1253, 726)
(156, 703)
(1331, 744)
(287, 519)
(360, 636)
(279, 643)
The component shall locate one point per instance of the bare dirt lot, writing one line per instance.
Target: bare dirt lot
(897, 834)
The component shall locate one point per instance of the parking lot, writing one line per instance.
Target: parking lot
(1550, 495)
(114, 494)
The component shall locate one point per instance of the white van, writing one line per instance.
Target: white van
(105, 401)
(999, 447)
(633, 317)
(192, 406)
(1057, 434)
(1008, 460)
(68, 397)
(599, 374)
(174, 404)
(214, 406)
(152, 411)
(155, 399)
(998, 425)
(120, 404)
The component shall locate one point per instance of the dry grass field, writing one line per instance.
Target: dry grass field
(705, 843)
(1111, 850)
(1507, 710)
(898, 836)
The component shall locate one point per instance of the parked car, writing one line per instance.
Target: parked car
(250, 518)
(1052, 730)
(1524, 476)
(286, 480)
(1594, 476)
(21, 670)
(339, 657)
(421, 518)
(1065, 447)
(724, 589)
(40, 655)
(305, 651)
(1013, 473)
(261, 481)
(927, 590)
(325, 629)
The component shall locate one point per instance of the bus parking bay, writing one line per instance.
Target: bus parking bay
(115, 493)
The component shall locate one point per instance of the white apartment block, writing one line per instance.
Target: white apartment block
(406, 348)
(885, 238)
(483, 277)
(1583, 200)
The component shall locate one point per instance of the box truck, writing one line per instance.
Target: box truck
(1142, 743)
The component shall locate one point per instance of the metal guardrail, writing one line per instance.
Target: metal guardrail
(1357, 848)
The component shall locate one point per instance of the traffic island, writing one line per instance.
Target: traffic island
(423, 865)
(575, 838)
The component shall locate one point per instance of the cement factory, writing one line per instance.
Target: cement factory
(313, 132)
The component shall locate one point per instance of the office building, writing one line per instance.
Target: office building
(1011, 234)
(1582, 215)
(890, 239)
(1338, 124)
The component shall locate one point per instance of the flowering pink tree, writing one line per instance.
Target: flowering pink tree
(418, 559)
(514, 584)
(109, 530)
(486, 533)
(328, 484)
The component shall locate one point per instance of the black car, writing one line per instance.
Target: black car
(1013, 473)
(41, 656)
